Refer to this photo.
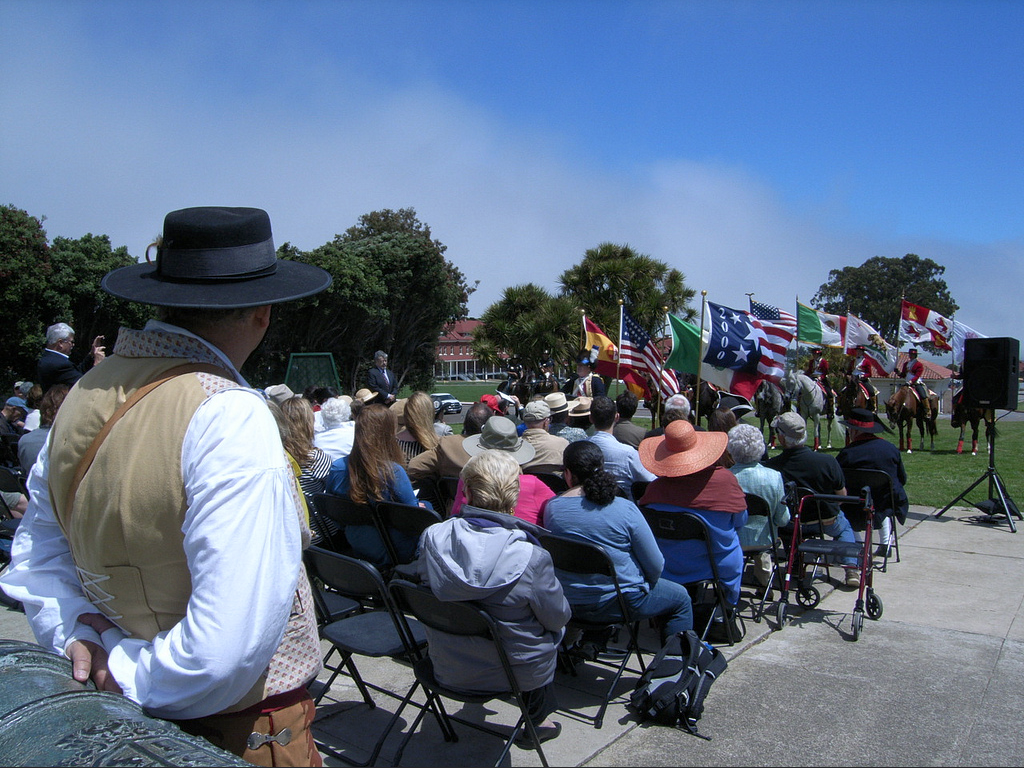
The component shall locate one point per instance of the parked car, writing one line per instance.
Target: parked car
(449, 403)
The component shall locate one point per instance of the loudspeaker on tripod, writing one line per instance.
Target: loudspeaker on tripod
(990, 373)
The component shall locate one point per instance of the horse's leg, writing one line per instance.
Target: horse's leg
(974, 436)
(910, 434)
(960, 442)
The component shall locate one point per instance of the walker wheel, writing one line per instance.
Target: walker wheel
(873, 605)
(858, 624)
(780, 614)
(808, 597)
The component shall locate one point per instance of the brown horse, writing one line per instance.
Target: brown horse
(903, 409)
(856, 395)
(962, 415)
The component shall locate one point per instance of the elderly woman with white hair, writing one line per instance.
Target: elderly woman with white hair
(746, 446)
(339, 429)
(493, 559)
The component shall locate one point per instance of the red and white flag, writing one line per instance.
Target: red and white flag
(920, 325)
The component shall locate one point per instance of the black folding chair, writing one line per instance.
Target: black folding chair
(685, 526)
(466, 620)
(884, 497)
(325, 531)
(9, 452)
(447, 487)
(555, 482)
(757, 506)
(402, 524)
(579, 556)
(638, 489)
(344, 512)
(329, 604)
(374, 633)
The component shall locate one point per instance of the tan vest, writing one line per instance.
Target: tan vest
(124, 529)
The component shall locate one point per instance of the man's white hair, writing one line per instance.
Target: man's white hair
(58, 332)
(335, 411)
(679, 403)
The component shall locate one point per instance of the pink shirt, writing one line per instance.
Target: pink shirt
(533, 494)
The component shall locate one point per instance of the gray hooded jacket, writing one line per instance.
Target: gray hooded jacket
(489, 559)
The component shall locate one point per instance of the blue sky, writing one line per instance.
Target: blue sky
(755, 146)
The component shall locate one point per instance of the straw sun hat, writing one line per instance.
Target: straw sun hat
(682, 450)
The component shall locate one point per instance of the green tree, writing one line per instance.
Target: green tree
(527, 323)
(875, 290)
(42, 284)
(393, 289)
(612, 272)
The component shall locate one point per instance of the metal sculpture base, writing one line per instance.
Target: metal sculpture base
(999, 501)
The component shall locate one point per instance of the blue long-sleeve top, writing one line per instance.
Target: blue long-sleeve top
(621, 530)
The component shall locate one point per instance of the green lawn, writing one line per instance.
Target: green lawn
(937, 477)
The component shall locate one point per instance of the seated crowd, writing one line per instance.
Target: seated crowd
(570, 467)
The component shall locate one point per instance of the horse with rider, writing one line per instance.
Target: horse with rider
(859, 392)
(817, 370)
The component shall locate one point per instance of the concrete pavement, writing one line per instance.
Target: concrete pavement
(937, 680)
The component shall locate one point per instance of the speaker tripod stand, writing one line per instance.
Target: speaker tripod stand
(999, 501)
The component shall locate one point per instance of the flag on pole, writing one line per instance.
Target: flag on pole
(687, 347)
(688, 351)
(961, 333)
(877, 349)
(602, 350)
(740, 341)
(919, 325)
(816, 327)
(639, 353)
(773, 316)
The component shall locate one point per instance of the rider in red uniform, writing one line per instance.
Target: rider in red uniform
(913, 371)
(859, 370)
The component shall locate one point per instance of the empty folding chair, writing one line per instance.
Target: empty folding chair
(381, 632)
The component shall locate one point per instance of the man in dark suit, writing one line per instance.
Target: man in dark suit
(55, 367)
(381, 380)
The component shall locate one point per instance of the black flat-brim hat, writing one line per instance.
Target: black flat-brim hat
(216, 258)
(865, 421)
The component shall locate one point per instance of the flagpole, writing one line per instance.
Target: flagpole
(700, 357)
(659, 397)
(618, 357)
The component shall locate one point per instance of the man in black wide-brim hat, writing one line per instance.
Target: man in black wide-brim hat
(168, 564)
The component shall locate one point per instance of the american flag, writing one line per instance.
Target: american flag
(773, 315)
(638, 352)
(779, 327)
(742, 342)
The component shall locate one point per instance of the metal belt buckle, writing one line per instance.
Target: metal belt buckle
(257, 740)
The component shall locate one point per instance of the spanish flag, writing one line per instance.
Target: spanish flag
(601, 349)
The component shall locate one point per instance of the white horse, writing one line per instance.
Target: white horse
(810, 403)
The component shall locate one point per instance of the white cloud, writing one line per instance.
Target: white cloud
(109, 146)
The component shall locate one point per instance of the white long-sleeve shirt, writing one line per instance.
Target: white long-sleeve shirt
(242, 542)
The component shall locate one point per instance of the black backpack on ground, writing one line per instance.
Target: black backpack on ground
(671, 690)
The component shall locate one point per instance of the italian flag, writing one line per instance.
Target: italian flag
(814, 327)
